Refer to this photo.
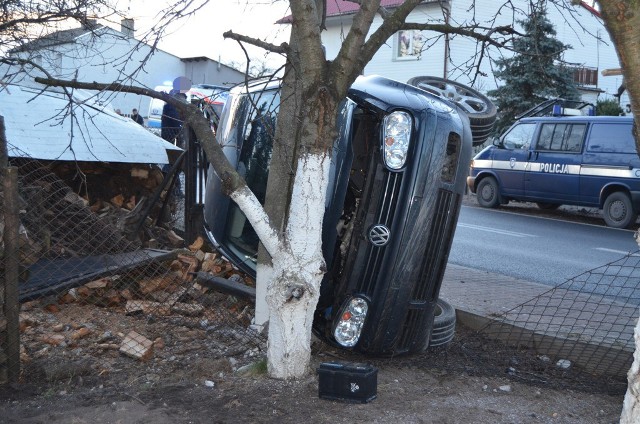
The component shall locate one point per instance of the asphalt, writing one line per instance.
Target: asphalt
(590, 330)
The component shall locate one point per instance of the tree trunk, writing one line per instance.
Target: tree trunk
(622, 20)
(294, 290)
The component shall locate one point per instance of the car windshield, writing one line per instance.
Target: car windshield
(257, 111)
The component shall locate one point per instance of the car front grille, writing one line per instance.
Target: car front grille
(437, 250)
(385, 193)
(435, 256)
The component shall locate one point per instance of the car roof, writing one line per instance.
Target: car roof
(585, 118)
(379, 92)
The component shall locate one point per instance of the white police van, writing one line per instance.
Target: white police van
(577, 160)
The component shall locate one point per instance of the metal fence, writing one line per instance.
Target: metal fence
(91, 281)
(579, 333)
(102, 275)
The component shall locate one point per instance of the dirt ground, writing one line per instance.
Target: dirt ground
(193, 377)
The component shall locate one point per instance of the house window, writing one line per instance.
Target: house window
(56, 63)
(409, 44)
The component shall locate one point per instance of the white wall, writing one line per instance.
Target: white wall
(112, 57)
(384, 63)
(574, 25)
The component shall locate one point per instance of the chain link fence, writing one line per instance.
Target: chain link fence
(104, 282)
(578, 334)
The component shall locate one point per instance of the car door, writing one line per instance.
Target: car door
(553, 174)
(510, 161)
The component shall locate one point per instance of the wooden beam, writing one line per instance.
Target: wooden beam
(611, 72)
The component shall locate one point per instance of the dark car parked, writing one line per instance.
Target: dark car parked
(398, 175)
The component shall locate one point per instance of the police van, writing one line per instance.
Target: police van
(577, 160)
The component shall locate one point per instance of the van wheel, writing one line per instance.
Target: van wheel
(488, 193)
(444, 324)
(548, 206)
(618, 211)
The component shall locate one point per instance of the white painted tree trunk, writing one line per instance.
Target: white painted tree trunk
(291, 285)
(294, 290)
(631, 405)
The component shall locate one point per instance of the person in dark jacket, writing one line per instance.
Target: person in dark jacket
(171, 122)
(136, 117)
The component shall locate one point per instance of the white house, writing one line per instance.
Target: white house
(413, 53)
(102, 54)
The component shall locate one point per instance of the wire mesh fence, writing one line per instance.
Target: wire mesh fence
(106, 289)
(579, 333)
(98, 279)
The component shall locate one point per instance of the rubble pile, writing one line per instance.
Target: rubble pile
(150, 316)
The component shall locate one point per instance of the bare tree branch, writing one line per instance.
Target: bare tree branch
(281, 49)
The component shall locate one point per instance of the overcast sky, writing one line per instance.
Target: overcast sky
(201, 34)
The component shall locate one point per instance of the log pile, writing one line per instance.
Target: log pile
(81, 209)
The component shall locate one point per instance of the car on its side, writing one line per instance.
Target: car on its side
(397, 179)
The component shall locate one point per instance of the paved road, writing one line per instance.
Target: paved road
(537, 249)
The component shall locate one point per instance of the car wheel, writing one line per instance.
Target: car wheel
(548, 206)
(444, 324)
(618, 210)
(478, 107)
(488, 193)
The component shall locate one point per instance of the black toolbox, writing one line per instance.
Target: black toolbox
(347, 382)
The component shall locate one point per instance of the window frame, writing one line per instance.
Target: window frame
(398, 55)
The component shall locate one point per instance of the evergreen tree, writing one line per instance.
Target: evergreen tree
(608, 107)
(535, 72)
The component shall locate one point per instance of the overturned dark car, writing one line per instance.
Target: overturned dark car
(399, 167)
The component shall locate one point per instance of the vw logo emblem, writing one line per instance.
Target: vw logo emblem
(379, 235)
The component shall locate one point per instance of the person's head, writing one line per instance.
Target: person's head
(118, 112)
(134, 111)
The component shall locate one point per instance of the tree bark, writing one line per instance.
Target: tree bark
(622, 20)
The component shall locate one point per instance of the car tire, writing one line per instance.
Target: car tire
(618, 210)
(488, 193)
(478, 107)
(548, 206)
(444, 324)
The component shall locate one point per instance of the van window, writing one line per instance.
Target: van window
(561, 137)
(519, 137)
(612, 138)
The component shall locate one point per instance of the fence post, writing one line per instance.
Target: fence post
(11, 264)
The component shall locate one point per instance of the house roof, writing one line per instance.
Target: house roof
(342, 7)
(38, 127)
(58, 38)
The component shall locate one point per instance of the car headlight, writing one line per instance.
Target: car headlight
(350, 322)
(397, 133)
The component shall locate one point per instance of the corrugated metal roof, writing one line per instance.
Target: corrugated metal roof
(39, 126)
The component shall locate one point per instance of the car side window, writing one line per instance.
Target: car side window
(612, 138)
(519, 136)
(561, 137)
